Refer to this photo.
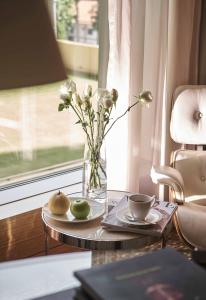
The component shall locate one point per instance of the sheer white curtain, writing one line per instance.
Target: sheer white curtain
(151, 48)
(118, 77)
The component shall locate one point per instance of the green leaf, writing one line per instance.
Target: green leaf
(61, 107)
(78, 122)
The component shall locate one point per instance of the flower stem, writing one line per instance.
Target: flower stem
(128, 109)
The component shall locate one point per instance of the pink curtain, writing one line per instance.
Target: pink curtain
(153, 46)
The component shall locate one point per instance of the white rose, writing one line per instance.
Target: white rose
(71, 86)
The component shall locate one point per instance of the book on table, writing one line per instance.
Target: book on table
(68, 294)
(161, 275)
(167, 210)
(75, 293)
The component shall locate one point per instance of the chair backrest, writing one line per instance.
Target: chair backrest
(188, 127)
(188, 119)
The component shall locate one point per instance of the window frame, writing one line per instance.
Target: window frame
(15, 191)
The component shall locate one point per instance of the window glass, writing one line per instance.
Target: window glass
(34, 136)
(77, 20)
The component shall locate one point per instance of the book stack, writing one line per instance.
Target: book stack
(161, 275)
(165, 209)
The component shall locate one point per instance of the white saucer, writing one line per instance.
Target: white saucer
(96, 211)
(153, 217)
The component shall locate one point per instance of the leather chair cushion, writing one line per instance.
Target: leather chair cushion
(192, 221)
(192, 166)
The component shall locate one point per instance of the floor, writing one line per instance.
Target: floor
(173, 242)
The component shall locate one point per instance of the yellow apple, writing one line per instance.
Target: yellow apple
(59, 203)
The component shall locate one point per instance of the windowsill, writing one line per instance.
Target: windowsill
(19, 207)
(23, 197)
(22, 206)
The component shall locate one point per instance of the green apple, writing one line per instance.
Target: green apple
(80, 208)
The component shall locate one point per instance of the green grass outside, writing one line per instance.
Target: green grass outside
(12, 163)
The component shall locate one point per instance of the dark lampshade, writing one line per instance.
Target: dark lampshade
(29, 54)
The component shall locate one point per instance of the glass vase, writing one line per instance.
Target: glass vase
(94, 173)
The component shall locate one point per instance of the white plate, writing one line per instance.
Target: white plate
(96, 211)
(153, 217)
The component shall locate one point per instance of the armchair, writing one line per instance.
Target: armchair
(186, 176)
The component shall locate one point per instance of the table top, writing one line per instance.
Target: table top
(92, 236)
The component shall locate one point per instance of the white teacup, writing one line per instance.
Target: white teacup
(139, 206)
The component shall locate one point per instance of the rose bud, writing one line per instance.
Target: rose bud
(77, 99)
(107, 101)
(87, 103)
(114, 95)
(88, 91)
(145, 97)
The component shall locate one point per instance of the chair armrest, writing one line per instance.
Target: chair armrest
(171, 177)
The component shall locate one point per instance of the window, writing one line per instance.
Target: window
(77, 20)
(34, 136)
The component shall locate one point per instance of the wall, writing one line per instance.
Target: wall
(79, 57)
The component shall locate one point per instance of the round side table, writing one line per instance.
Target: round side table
(91, 235)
